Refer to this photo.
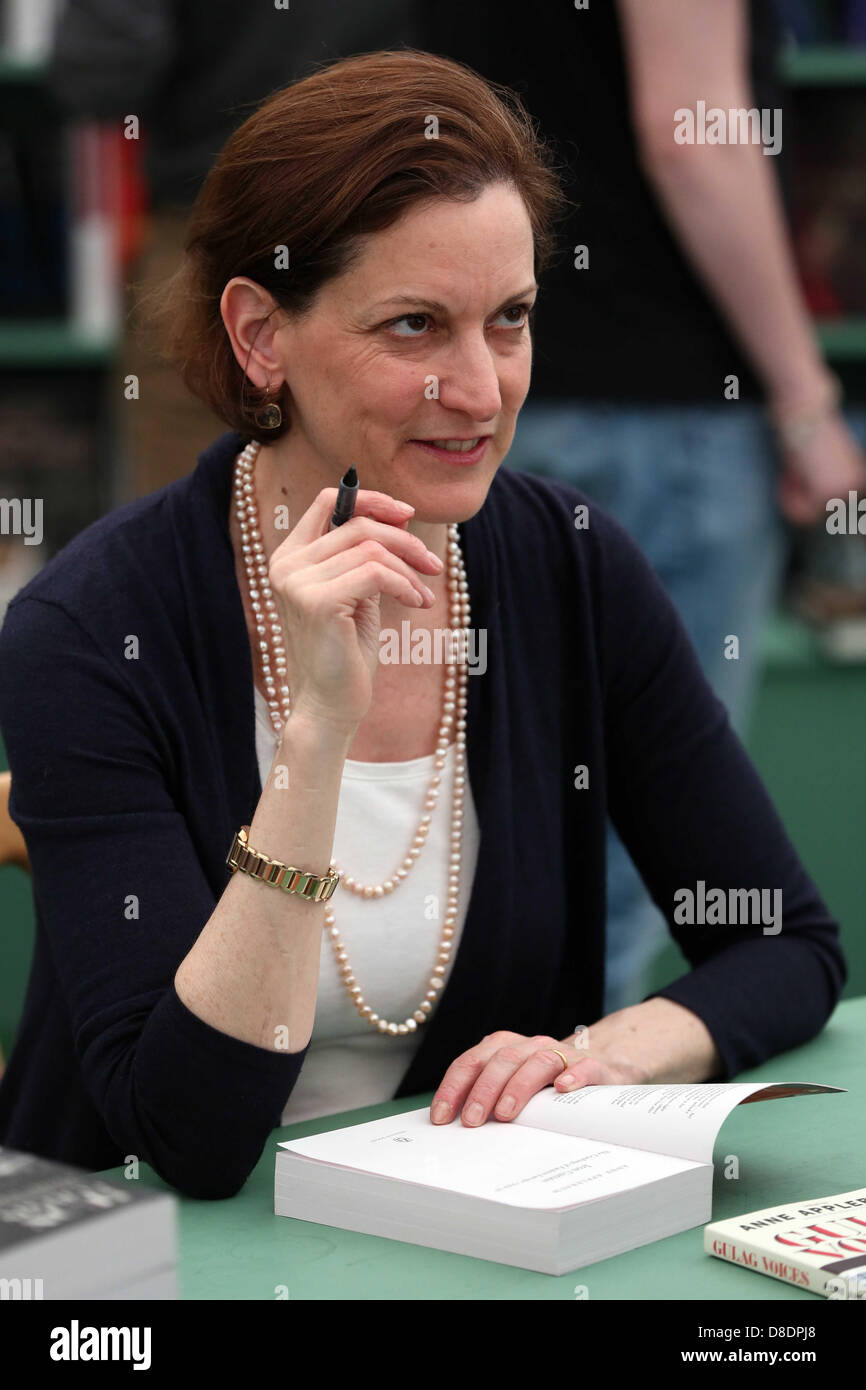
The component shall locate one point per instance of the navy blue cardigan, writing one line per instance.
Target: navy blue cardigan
(130, 777)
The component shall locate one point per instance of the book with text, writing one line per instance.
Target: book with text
(818, 1244)
(576, 1177)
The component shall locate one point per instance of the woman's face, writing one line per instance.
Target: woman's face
(426, 337)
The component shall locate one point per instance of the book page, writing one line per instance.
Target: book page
(681, 1119)
(521, 1167)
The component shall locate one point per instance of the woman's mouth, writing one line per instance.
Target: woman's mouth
(455, 450)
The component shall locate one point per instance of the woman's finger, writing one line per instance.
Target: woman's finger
(363, 535)
(367, 579)
(462, 1073)
(587, 1071)
(514, 1074)
(314, 523)
(362, 554)
(366, 529)
(541, 1066)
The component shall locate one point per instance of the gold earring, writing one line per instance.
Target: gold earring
(269, 416)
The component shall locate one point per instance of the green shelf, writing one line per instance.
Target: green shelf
(51, 343)
(843, 340)
(19, 70)
(823, 65)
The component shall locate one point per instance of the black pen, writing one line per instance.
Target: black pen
(346, 497)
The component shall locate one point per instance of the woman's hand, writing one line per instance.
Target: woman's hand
(327, 586)
(830, 466)
(507, 1067)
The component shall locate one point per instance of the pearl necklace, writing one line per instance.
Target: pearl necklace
(273, 662)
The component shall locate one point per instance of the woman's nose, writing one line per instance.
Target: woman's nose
(470, 383)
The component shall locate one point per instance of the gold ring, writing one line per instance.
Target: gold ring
(565, 1061)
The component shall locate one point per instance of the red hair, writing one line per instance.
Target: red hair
(322, 162)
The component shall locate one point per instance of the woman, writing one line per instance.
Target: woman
(357, 291)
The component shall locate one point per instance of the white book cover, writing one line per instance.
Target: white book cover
(818, 1244)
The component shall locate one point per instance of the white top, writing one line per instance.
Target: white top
(392, 941)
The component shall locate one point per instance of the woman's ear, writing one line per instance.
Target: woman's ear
(252, 320)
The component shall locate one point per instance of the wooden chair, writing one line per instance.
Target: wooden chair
(12, 847)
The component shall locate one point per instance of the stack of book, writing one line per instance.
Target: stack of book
(67, 1234)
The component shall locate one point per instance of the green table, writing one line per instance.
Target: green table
(788, 1150)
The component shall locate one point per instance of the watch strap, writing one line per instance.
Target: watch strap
(316, 888)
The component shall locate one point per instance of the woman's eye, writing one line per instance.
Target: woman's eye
(419, 321)
(524, 310)
(410, 318)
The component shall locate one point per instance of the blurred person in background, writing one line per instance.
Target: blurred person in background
(687, 281)
(191, 70)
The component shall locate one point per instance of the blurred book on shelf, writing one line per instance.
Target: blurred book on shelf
(806, 22)
(829, 199)
(71, 218)
(61, 192)
(62, 189)
(34, 266)
(855, 22)
(26, 28)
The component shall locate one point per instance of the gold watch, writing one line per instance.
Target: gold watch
(314, 887)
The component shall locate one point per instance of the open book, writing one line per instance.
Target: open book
(576, 1177)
